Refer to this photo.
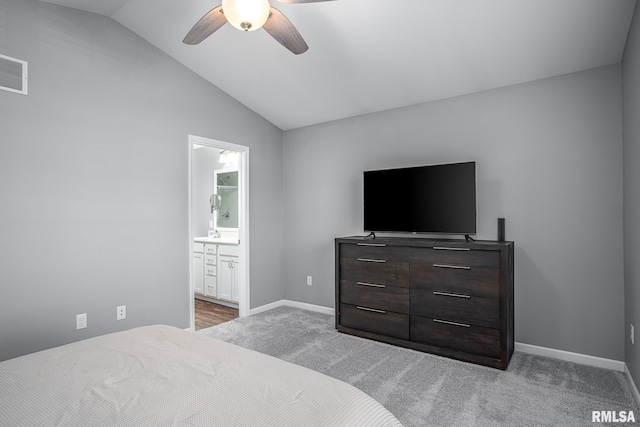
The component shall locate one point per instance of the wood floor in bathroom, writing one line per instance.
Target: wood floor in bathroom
(209, 314)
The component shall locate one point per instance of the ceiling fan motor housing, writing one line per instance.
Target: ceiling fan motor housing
(246, 15)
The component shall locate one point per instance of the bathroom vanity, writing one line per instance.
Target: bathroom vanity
(216, 263)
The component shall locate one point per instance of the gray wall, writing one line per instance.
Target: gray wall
(549, 160)
(631, 126)
(94, 180)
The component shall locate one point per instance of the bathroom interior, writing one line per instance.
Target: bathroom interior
(216, 246)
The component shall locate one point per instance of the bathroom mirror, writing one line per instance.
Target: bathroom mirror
(226, 188)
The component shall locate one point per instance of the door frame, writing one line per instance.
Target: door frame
(244, 287)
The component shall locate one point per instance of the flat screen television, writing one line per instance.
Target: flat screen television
(439, 199)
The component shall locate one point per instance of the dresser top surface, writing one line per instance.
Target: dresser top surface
(426, 242)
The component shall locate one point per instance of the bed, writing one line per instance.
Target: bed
(164, 376)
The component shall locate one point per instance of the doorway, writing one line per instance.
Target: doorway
(211, 226)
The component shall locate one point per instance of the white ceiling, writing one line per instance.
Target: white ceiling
(366, 56)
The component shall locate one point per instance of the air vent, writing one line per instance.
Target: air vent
(13, 75)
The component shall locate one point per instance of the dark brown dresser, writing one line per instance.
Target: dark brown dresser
(447, 297)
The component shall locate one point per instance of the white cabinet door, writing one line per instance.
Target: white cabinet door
(225, 276)
(228, 268)
(198, 273)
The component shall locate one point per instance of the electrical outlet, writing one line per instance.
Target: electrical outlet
(309, 280)
(121, 312)
(633, 338)
(81, 321)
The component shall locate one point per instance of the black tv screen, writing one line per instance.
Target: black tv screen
(424, 199)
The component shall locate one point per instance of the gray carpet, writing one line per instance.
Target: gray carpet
(421, 389)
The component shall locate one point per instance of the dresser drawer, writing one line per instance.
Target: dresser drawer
(377, 251)
(470, 339)
(460, 308)
(388, 298)
(376, 321)
(459, 257)
(476, 281)
(390, 273)
(210, 270)
(211, 249)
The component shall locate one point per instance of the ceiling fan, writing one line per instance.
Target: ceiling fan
(249, 15)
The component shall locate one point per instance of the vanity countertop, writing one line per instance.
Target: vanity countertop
(216, 240)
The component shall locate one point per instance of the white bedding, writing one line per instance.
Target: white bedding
(164, 376)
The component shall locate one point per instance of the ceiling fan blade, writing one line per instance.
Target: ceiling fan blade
(301, 1)
(206, 26)
(284, 32)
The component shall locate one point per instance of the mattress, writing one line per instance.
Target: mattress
(164, 376)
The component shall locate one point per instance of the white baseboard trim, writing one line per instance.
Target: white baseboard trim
(583, 359)
(310, 307)
(266, 307)
(633, 384)
(295, 304)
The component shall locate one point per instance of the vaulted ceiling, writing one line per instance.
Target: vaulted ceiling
(372, 55)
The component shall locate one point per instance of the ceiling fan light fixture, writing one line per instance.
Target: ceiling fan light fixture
(246, 15)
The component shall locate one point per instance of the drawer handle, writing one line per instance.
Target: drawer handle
(371, 309)
(210, 272)
(448, 294)
(377, 245)
(464, 325)
(371, 260)
(445, 248)
(374, 285)
(458, 267)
